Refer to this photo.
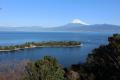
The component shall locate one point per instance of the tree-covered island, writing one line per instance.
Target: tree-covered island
(41, 44)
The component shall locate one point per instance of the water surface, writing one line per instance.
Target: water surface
(66, 56)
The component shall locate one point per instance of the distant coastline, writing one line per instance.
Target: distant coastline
(28, 45)
(70, 27)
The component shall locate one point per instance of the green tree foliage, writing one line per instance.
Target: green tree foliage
(103, 63)
(45, 69)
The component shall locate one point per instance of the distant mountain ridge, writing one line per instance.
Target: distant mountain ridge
(74, 27)
(93, 28)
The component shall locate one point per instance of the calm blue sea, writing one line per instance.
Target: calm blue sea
(66, 56)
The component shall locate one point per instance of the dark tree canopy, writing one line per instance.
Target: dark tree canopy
(103, 63)
(45, 69)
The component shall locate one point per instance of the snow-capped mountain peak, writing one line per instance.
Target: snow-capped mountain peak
(78, 21)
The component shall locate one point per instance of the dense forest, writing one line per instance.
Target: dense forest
(103, 63)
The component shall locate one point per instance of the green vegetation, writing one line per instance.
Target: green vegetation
(41, 44)
(45, 69)
(103, 63)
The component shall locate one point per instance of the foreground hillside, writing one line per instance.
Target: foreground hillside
(102, 64)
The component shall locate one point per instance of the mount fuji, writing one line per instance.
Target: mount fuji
(78, 25)
(75, 26)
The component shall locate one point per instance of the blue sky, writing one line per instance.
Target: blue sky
(50, 13)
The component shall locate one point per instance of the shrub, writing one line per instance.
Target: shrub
(45, 69)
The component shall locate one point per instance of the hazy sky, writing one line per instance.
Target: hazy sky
(58, 12)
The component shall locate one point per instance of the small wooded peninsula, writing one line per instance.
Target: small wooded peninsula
(41, 44)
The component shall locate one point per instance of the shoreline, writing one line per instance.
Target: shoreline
(78, 44)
